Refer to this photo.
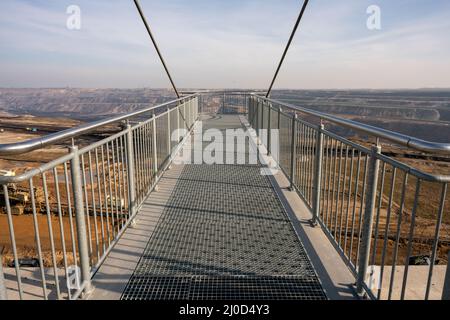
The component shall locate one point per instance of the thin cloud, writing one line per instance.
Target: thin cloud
(222, 44)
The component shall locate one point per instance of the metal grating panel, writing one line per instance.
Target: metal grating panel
(224, 235)
(223, 288)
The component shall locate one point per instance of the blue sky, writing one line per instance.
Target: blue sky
(231, 44)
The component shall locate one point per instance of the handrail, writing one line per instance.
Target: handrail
(38, 143)
(401, 139)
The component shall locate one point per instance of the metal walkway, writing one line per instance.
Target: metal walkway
(224, 231)
(223, 234)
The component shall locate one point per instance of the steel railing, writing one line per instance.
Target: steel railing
(81, 203)
(224, 102)
(378, 212)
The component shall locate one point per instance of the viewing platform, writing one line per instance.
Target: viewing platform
(293, 211)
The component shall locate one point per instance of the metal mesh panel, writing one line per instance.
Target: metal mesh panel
(224, 235)
(223, 288)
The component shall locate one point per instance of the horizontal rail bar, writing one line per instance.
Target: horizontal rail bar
(401, 139)
(35, 171)
(38, 143)
(407, 168)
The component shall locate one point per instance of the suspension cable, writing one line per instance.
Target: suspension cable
(141, 13)
(305, 4)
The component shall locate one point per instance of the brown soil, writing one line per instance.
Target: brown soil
(25, 238)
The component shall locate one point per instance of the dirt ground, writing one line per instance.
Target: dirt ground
(25, 238)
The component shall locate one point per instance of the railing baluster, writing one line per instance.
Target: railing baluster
(333, 185)
(69, 205)
(114, 184)
(80, 220)
(131, 181)
(361, 211)
(155, 149)
(324, 216)
(169, 140)
(293, 151)
(108, 223)
(114, 214)
(410, 239)
(94, 206)
(302, 147)
(318, 174)
(146, 157)
(341, 222)
(13, 241)
(124, 177)
(348, 200)
(377, 220)
(386, 229)
(338, 192)
(51, 238)
(61, 227)
(99, 196)
(178, 124)
(86, 202)
(355, 199)
(398, 234)
(269, 128)
(372, 183)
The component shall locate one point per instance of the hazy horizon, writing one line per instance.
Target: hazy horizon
(231, 89)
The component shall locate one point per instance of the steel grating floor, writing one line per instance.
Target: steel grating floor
(224, 235)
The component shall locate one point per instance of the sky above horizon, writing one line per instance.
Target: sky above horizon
(225, 44)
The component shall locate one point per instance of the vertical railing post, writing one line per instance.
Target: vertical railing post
(130, 172)
(155, 147)
(190, 113)
(178, 124)
(245, 104)
(258, 112)
(187, 114)
(193, 110)
(280, 110)
(80, 219)
(250, 111)
(269, 124)
(364, 251)
(254, 112)
(196, 99)
(251, 115)
(446, 290)
(293, 150)
(3, 295)
(169, 140)
(317, 187)
(261, 130)
(223, 104)
(185, 123)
